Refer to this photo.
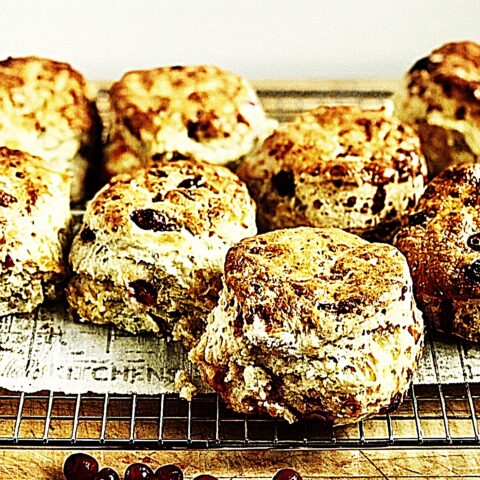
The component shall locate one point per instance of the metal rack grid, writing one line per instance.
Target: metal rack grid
(430, 416)
(285, 104)
(440, 415)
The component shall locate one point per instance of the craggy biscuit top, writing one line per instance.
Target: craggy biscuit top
(187, 110)
(45, 96)
(149, 255)
(344, 145)
(314, 280)
(442, 238)
(455, 68)
(443, 90)
(312, 322)
(34, 206)
(182, 196)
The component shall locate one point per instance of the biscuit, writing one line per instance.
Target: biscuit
(441, 96)
(196, 112)
(441, 241)
(150, 253)
(47, 111)
(34, 219)
(341, 166)
(312, 322)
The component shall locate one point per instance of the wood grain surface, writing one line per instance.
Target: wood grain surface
(325, 464)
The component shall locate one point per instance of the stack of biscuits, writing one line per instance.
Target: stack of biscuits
(321, 313)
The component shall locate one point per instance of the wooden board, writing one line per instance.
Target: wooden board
(394, 464)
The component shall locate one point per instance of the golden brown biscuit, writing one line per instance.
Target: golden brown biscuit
(312, 322)
(196, 112)
(441, 241)
(441, 96)
(149, 256)
(34, 220)
(358, 170)
(46, 110)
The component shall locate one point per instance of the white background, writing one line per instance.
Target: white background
(257, 39)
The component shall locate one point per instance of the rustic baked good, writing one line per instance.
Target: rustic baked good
(199, 112)
(34, 222)
(312, 322)
(46, 109)
(441, 241)
(150, 253)
(340, 166)
(441, 96)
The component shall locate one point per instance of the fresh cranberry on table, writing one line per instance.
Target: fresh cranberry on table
(169, 472)
(205, 477)
(138, 471)
(80, 466)
(287, 474)
(107, 474)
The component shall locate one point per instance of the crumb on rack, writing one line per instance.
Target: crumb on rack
(184, 386)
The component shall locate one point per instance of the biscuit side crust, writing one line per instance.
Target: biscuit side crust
(304, 329)
(437, 241)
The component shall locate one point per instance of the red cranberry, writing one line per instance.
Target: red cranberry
(138, 471)
(169, 472)
(178, 156)
(87, 235)
(8, 262)
(422, 64)
(378, 203)
(473, 242)
(150, 219)
(157, 173)
(284, 183)
(144, 292)
(287, 474)
(107, 474)
(472, 271)
(205, 477)
(194, 130)
(80, 466)
(191, 182)
(242, 119)
(417, 218)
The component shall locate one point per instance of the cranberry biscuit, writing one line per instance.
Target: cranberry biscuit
(441, 241)
(358, 170)
(47, 110)
(150, 253)
(196, 112)
(312, 322)
(441, 96)
(34, 222)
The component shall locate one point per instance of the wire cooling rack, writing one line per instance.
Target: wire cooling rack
(440, 415)
(430, 416)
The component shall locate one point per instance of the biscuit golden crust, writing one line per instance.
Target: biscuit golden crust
(441, 241)
(46, 110)
(341, 166)
(150, 252)
(442, 96)
(34, 219)
(312, 322)
(197, 112)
